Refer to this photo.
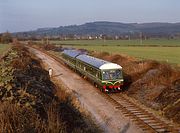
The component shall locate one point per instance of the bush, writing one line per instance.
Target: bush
(6, 38)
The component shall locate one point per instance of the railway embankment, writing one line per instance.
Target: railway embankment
(28, 101)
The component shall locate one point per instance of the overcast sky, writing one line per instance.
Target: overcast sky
(24, 15)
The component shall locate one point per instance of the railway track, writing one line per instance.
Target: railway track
(141, 117)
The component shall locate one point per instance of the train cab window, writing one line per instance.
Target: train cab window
(105, 75)
(111, 74)
(118, 73)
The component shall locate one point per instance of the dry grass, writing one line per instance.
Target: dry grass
(59, 118)
(49, 114)
(16, 119)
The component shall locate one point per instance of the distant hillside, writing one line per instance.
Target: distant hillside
(108, 28)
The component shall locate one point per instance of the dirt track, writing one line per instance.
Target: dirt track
(102, 111)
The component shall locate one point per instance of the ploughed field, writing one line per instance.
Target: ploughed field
(160, 50)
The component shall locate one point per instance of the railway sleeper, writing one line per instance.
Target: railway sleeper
(143, 117)
(140, 113)
(162, 131)
(129, 114)
(147, 113)
(133, 109)
(159, 129)
(151, 121)
(155, 124)
(128, 105)
(146, 118)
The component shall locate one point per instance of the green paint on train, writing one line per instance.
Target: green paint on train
(107, 76)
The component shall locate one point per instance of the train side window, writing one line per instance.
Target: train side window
(97, 75)
(78, 63)
(88, 69)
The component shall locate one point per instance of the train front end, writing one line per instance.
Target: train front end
(112, 77)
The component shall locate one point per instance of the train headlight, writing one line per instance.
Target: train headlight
(119, 88)
(106, 90)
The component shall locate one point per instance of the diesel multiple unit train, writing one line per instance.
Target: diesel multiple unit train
(106, 76)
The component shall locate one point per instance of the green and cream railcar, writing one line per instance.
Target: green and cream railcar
(105, 75)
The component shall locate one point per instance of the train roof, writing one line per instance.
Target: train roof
(98, 63)
(72, 53)
(110, 66)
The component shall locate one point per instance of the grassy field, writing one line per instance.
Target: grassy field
(150, 42)
(168, 54)
(3, 48)
(156, 49)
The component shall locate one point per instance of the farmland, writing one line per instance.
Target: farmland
(156, 49)
(149, 42)
(169, 54)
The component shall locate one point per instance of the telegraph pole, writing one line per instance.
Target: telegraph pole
(140, 38)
